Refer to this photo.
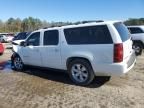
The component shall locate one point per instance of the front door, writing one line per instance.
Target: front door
(31, 52)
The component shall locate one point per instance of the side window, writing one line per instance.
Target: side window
(34, 39)
(135, 30)
(88, 35)
(51, 37)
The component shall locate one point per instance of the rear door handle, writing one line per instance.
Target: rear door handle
(36, 50)
(56, 50)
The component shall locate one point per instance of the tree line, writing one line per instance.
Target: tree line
(30, 24)
(133, 21)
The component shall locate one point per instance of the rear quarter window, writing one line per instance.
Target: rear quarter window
(88, 35)
(123, 31)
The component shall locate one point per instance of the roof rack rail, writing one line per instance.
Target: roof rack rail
(97, 21)
(77, 23)
(50, 27)
(45, 28)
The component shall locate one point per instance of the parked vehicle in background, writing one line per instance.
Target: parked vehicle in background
(84, 50)
(137, 34)
(9, 38)
(1, 48)
(3, 38)
(6, 37)
(20, 37)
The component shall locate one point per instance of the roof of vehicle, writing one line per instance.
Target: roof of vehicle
(80, 25)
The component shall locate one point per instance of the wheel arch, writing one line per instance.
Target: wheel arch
(70, 59)
(14, 55)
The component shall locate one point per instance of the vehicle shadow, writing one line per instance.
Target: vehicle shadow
(53, 75)
(63, 77)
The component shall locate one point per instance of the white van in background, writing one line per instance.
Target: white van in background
(137, 34)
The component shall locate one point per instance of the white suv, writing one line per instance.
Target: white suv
(137, 34)
(84, 50)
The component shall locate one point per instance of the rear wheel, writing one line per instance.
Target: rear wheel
(81, 72)
(138, 48)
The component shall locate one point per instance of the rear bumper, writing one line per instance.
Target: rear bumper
(116, 69)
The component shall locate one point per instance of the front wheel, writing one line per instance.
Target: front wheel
(81, 72)
(17, 63)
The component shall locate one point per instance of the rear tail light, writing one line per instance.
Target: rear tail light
(118, 53)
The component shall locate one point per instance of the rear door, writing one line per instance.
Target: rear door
(51, 51)
(125, 37)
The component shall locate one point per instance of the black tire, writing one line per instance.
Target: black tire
(89, 72)
(138, 48)
(17, 63)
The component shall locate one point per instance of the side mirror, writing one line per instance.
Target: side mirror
(23, 43)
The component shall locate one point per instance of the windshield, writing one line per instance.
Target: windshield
(123, 31)
(22, 36)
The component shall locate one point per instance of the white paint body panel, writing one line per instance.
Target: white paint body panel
(99, 55)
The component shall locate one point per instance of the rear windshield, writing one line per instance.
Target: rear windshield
(123, 31)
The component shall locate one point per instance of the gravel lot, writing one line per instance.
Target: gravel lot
(37, 88)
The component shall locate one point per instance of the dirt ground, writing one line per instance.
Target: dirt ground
(37, 88)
